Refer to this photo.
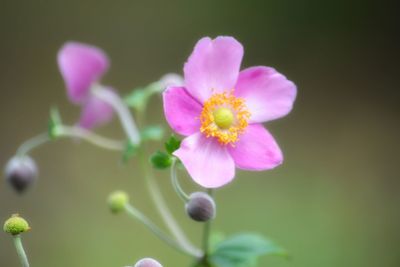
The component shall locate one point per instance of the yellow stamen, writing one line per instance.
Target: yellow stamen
(225, 117)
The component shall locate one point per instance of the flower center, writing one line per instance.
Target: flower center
(225, 117)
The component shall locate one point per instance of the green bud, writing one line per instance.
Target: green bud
(16, 225)
(117, 201)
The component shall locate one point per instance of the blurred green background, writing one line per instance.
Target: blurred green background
(335, 200)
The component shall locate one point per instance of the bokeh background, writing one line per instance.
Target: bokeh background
(335, 200)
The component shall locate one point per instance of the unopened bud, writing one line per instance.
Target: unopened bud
(20, 172)
(117, 201)
(148, 262)
(16, 225)
(200, 207)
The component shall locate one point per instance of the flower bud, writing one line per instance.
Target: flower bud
(148, 262)
(117, 201)
(16, 225)
(200, 207)
(20, 172)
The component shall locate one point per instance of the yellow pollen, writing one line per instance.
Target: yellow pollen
(225, 117)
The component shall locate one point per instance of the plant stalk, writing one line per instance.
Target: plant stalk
(20, 251)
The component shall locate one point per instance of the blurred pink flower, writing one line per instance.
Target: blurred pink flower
(82, 67)
(220, 109)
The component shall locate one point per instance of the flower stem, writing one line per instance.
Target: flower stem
(160, 203)
(175, 183)
(158, 199)
(71, 131)
(132, 211)
(91, 137)
(20, 251)
(121, 109)
(206, 233)
(32, 143)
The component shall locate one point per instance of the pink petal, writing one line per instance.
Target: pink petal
(208, 162)
(256, 150)
(181, 110)
(81, 65)
(213, 66)
(95, 112)
(269, 95)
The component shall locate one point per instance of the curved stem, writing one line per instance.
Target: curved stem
(121, 109)
(175, 183)
(132, 211)
(20, 251)
(71, 131)
(160, 203)
(32, 143)
(91, 137)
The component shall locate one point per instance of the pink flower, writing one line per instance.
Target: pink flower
(220, 109)
(82, 67)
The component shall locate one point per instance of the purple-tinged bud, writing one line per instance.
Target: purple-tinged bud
(200, 207)
(20, 172)
(148, 262)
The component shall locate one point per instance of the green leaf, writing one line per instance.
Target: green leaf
(161, 160)
(152, 133)
(172, 144)
(54, 123)
(243, 250)
(129, 151)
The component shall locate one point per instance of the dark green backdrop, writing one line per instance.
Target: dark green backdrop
(334, 202)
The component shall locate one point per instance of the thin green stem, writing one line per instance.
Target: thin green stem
(175, 183)
(20, 251)
(33, 143)
(135, 213)
(206, 233)
(71, 131)
(162, 208)
(158, 199)
(91, 137)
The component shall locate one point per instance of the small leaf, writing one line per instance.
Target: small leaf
(172, 144)
(129, 151)
(152, 133)
(54, 123)
(243, 250)
(161, 160)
